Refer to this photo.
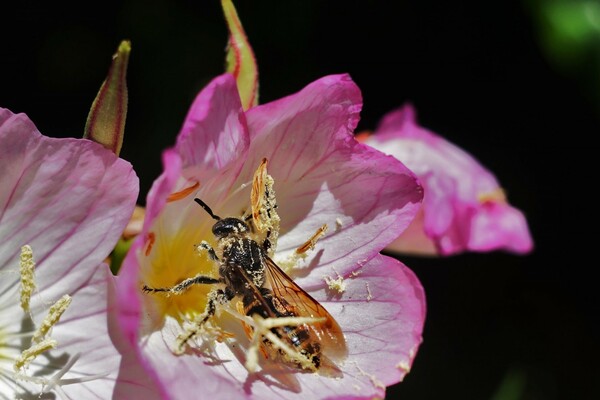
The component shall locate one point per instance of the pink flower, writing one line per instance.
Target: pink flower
(63, 205)
(322, 175)
(464, 208)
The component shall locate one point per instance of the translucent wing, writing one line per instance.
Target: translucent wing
(299, 303)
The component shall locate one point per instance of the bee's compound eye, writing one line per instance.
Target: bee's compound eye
(229, 226)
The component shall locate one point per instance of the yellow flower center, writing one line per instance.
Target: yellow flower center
(167, 259)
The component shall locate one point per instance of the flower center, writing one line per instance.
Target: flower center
(168, 258)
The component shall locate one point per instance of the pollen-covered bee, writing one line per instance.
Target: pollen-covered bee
(295, 329)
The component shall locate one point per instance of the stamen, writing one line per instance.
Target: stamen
(301, 252)
(182, 194)
(27, 266)
(149, 242)
(54, 314)
(40, 340)
(28, 355)
(310, 243)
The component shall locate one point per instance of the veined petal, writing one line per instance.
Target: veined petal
(499, 217)
(382, 313)
(459, 193)
(389, 321)
(128, 285)
(67, 198)
(214, 132)
(323, 176)
(182, 375)
(90, 313)
(189, 331)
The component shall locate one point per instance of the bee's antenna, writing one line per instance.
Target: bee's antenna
(207, 209)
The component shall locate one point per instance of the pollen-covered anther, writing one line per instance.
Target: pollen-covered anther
(52, 318)
(262, 329)
(27, 266)
(301, 251)
(310, 243)
(28, 355)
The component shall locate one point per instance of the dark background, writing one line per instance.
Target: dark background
(499, 326)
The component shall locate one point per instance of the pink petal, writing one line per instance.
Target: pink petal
(68, 198)
(214, 132)
(493, 218)
(381, 313)
(323, 176)
(186, 374)
(458, 194)
(84, 328)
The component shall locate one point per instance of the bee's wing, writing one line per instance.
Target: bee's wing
(302, 304)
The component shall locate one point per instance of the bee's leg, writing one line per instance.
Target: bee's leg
(205, 246)
(183, 285)
(218, 296)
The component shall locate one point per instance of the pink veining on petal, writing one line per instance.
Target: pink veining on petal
(214, 131)
(458, 191)
(67, 198)
(322, 176)
(382, 313)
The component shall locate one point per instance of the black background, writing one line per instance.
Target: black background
(476, 74)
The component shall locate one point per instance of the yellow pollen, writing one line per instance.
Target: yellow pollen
(54, 314)
(337, 284)
(27, 266)
(28, 355)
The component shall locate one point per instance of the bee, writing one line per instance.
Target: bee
(307, 337)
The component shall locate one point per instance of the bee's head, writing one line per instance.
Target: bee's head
(224, 226)
(229, 226)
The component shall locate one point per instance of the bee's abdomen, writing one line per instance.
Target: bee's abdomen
(299, 337)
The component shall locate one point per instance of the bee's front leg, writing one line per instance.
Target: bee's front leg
(183, 285)
(208, 248)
